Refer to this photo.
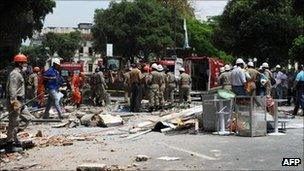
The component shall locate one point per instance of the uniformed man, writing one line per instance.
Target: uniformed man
(184, 86)
(170, 85)
(238, 78)
(162, 86)
(146, 82)
(33, 85)
(101, 86)
(251, 83)
(126, 78)
(224, 78)
(269, 76)
(135, 80)
(154, 93)
(16, 92)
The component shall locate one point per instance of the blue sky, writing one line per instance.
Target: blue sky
(69, 13)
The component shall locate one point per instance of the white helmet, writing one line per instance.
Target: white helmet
(250, 64)
(160, 68)
(227, 67)
(182, 69)
(154, 66)
(56, 61)
(222, 69)
(278, 66)
(240, 61)
(265, 65)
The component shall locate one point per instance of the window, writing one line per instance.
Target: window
(90, 67)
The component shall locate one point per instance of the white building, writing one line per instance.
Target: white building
(85, 53)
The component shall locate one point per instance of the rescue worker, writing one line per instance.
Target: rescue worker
(136, 93)
(41, 89)
(76, 82)
(170, 86)
(16, 94)
(146, 81)
(269, 76)
(251, 83)
(184, 86)
(33, 85)
(101, 86)
(154, 93)
(162, 86)
(126, 78)
(224, 78)
(238, 78)
(53, 81)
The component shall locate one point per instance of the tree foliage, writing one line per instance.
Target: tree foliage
(64, 44)
(262, 28)
(138, 27)
(19, 18)
(296, 52)
(183, 6)
(37, 55)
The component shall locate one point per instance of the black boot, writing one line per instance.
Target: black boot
(12, 148)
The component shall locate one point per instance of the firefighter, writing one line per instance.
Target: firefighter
(53, 82)
(162, 86)
(33, 85)
(135, 80)
(251, 83)
(268, 74)
(184, 86)
(126, 78)
(76, 82)
(146, 81)
(16, 92)
(101, 86)
(224, 78)
(170, 85)
(154, 93)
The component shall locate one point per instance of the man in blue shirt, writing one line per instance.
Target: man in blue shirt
(53, 81)
(299, 87)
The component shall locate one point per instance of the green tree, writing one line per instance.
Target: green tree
(138, 27)
(64, 44)
(262, 28)
(183, 6)
(37, 55)
(19, 18)
(200, 39)
(296, 52)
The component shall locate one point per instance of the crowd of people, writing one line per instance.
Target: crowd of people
(156, 84)
(247, 80)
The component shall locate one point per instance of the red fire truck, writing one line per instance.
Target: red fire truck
(204, 71)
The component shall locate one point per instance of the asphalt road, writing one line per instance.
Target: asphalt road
(195, 152)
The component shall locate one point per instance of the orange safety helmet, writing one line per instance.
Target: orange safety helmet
(146, 68)
(20, 58)
(36, 69)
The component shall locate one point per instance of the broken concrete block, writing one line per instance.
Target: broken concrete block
(140, 158)
(110, 120)
(92, 167)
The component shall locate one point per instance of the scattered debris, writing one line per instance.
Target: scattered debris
(140, 158)
(53, 140)
(39, 134)
(166, 158)
(92, 167)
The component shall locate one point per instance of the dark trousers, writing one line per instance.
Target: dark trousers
(136, 97)
(299, 102)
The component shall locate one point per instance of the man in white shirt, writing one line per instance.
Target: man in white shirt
(279, 76)
(238, 78)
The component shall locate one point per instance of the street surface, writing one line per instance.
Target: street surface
(194, 152)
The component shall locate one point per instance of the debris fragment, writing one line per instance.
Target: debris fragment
(92, 167)
(140, 158)
(166, 158)
(39, 134)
